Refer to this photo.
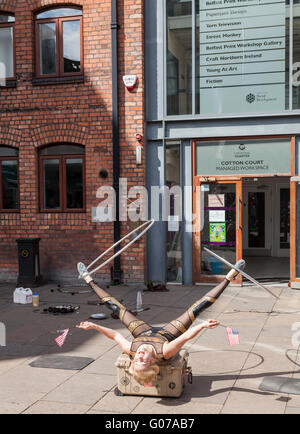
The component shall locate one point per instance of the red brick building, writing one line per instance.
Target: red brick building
(56, 133)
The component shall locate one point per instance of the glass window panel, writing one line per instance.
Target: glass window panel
(71, 46)
(47, 43)
(62, 149)
(174, 226)
(59, 12)
(256, 219)
(9, 184)
(74, 183)
(6, 52)
(8, 152)
(284, 218)
(51, 184)
(179, 57)
(5, 18)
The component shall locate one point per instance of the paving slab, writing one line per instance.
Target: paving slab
(48, 407)
(217, 361)
(10, 362)
(18, 396)
(83, 388)
(273, 361)
(36, 380)
(12, 407)
(172, 406)
(292, 410)
(122, 404)
(243, 399)
(103, 364)
(207, 389)
(84, 350)
(111, 413)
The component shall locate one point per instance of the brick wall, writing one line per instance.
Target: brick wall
(32, 116)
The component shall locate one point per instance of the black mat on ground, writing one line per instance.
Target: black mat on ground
(55, 361)
(281, 384)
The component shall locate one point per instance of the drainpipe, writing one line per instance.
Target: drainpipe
(116, 269)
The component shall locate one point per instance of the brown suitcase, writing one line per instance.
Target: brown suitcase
(171, 379)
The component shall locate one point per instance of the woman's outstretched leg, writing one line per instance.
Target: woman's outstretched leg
(178, 326)
(134, 325)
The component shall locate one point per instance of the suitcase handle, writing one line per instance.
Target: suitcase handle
(189, 374)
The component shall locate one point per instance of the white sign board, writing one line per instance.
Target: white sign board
(242, 56)
(217, 216)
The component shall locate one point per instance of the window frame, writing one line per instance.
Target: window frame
(6, 25)
(59, 45)
(62, 183)
(7, 210)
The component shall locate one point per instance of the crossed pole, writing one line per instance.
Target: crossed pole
(240, 271)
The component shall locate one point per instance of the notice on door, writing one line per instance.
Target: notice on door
(216, 216)
(216, 200)
(242, 56)
(217, 232)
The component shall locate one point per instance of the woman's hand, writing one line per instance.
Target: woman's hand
(210, 324)
(86, 325)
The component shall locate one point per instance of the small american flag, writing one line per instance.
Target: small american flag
(61, 338)
(233, 336)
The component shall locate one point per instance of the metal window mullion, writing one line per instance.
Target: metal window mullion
(291, 58)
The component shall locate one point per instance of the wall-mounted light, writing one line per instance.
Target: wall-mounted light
(138, 151)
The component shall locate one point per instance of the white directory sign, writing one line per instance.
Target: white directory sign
(242, 56)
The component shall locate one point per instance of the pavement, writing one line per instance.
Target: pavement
(226, 379)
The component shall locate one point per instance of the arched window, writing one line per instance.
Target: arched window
(7, 63)
(9, 185)
(62, 178)
(58, 35)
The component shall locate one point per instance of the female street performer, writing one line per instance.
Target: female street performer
(153, 344)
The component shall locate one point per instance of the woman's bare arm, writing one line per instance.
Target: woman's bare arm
(109, 333)
(172, 348)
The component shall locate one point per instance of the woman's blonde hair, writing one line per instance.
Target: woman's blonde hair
(146, 376)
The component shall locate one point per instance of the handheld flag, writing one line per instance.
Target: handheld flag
(61, 338)
(233, 336)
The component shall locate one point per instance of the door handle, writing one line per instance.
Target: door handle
(238, 213)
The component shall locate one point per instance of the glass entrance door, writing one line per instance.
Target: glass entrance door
(221, 228)
(257, 220)
(282, 228)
